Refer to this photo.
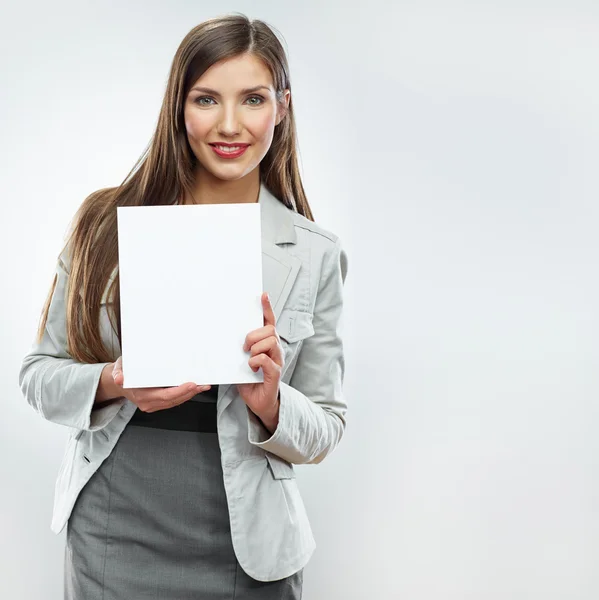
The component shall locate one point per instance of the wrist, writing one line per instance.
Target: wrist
(270, 420)
(107, 389)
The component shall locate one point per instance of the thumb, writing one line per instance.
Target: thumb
(117, 370)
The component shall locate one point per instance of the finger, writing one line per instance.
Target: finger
(272, 371)
(269, 346)
(118, 378)
(259, 334)
(187, 395)
(166, 395)
(269, 314)
(162, 398)
(117, 372)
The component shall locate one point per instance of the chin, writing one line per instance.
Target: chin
(228, 176)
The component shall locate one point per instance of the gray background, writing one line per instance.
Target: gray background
(454, 147)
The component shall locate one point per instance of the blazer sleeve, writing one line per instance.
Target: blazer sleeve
(59, 388)
(312, 408)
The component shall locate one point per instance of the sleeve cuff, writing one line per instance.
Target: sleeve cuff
(284, 442)
(98, 417)
(258, 435)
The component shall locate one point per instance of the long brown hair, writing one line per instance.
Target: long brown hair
(164, 172)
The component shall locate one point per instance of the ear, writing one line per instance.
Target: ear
(282, 110)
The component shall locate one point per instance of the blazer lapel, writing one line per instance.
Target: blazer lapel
(279, 269)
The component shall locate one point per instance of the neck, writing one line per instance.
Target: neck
(209, 189)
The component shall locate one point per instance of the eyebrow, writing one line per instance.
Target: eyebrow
(215, 93)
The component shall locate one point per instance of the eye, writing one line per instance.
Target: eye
(259, 98)
(199, 98)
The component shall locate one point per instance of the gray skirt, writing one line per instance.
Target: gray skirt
(152, 522)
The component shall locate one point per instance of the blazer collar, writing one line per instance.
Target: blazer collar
(276, 219)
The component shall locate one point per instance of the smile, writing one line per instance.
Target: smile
(229, 151)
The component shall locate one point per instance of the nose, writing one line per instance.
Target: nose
(228, 124)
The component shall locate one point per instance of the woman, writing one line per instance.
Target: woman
(187, 492)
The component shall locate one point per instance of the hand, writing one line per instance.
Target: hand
(156, 398)
(264, 344)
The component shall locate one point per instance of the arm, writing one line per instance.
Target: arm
(312, 406)
(57, 387)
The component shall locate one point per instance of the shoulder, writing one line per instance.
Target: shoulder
(324, 243)
(313, 233)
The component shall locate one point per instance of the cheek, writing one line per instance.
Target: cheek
(196, 128)
(262, 128)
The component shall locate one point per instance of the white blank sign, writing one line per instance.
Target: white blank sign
(190, 288)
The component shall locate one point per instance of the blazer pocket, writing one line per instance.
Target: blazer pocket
(280, 468)
(294, 325)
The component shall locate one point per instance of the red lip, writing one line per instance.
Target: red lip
(235, 154)
(227, 144)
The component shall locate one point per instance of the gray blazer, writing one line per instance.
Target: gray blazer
(304, 268)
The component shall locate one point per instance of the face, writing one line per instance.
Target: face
(232, 102)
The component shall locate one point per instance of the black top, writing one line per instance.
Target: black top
(197, 414)
(209, 396)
